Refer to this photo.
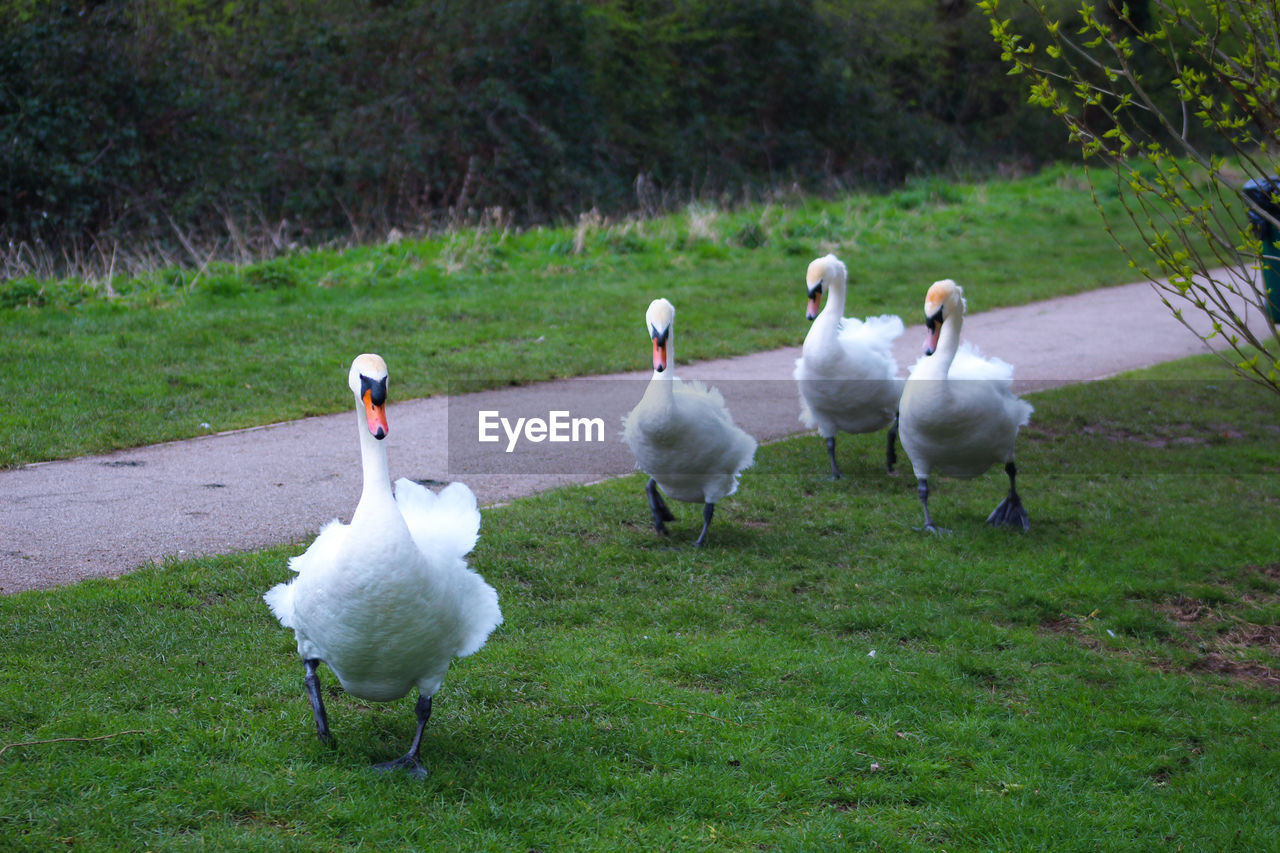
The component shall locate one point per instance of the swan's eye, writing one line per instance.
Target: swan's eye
(659, 338)
(816, 289)
(377, 391)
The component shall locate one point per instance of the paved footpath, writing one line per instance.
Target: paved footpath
(102, 516)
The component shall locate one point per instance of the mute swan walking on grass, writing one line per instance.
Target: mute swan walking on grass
(682, 435)
(959, 415)
(847, 374)
(388, 601)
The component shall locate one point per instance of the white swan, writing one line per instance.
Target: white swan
(388, 601)
(847, 374)
(958, 415)
(682, 434)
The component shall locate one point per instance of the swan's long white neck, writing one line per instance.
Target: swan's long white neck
(836, 290)
(948, 344)
(377, 475)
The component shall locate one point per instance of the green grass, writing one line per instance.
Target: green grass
(183, 353)
(1106, 681)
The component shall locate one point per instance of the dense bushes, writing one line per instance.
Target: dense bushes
(120, 116)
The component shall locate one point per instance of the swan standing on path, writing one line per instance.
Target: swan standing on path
(388, 601)
(682, 435)
(847, 374)
(959, 415)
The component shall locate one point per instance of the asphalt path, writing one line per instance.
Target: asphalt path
(102, 516)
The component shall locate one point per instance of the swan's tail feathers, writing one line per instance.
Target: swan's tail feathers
(1022, 411)
(876, 333)
(480, 613)
(806, 413)
(746, 451)
(885, 325)
(741, 456)
(447, 523)
(280, 599)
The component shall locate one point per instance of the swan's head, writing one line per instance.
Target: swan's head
(368, 381)
(659, 318)
(944, 300)
(822, 275)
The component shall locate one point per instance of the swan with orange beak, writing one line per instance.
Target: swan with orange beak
(958, 414)
(387, 601)
(682, 435)
(846, 373)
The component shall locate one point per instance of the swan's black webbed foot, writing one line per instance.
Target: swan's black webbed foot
(831, 452)
(312, 681)
(658, 507)
(409, 762)
(1010, 511)
(708, 510)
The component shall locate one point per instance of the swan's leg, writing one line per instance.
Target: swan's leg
(708, 510)
(1010, 511)
(890, 451)
(831, 452)
(922, 489)
(409, 761)
(317, 704)
(658, 507)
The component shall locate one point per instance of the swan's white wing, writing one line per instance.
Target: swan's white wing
(445, 527)
(711, 409)
(447, 523)
(280, 599)
(328, 542)
(851, 381)
(971, 364)
(874, 333)
(714, 449)
(318, 555)
(692, 446)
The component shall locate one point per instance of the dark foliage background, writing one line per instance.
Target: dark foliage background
(136, 118)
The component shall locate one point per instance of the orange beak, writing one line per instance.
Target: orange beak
(659, 355)
(815, 302)
(934, 325)
(376, 415)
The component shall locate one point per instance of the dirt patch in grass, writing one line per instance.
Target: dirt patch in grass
(1238, 670)
(1157, 436)
(1221, 641)
(1272, 571)
(1061, 625)
(1165, 435)
(1255, 636)
(1183, 610)
(1204, 627)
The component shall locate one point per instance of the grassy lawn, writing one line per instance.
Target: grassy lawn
(820, 677)
(184, 353)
